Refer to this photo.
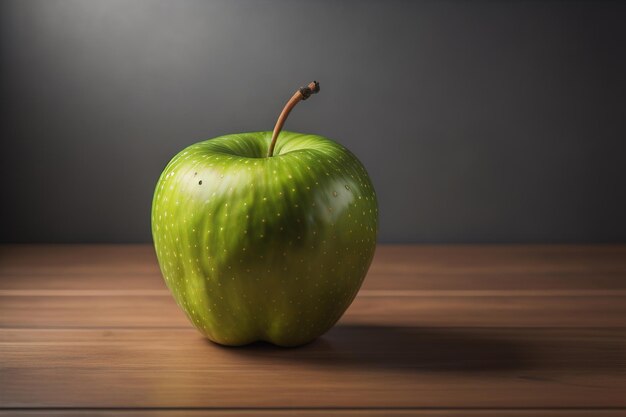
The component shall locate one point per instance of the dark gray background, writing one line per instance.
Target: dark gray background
(479, 121)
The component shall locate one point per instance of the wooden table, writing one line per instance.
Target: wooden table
(435, 331)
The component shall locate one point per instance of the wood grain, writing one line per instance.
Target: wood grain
(145, 311)
(436, 331)
(317, 413)
(364, 365)
(509, 267)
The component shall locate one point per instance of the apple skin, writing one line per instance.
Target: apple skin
(264, 249)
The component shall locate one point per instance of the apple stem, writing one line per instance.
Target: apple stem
(302, 94)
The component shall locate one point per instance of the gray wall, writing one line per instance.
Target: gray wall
(479, 121)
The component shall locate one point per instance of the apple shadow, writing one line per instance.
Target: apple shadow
(406, 349)
(415, 350)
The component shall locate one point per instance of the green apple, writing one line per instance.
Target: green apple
(265, 236)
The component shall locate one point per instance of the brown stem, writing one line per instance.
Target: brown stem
(302, 94)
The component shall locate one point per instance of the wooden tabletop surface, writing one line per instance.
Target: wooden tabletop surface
(435, 331)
